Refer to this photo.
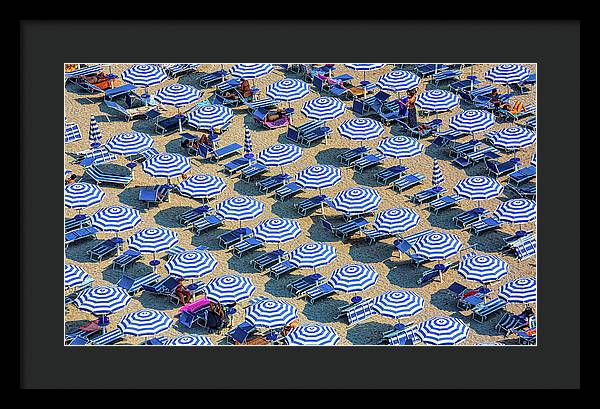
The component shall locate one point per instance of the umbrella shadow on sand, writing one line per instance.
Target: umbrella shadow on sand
(443, 300)
(488, 242)
(443, 220)
(362, 252)
(209, 238)
(278, 287)
(323, 311)
(317, 232)
(402, 273)
(329, 156)
(78, 251)
(130, 197)
(167, 217)
(366, 178)
(286, 209)
(368, 333)
(246, 189)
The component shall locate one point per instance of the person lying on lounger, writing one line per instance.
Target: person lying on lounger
(69, 180)
(275, 115)
(286, 330)
(96, 78)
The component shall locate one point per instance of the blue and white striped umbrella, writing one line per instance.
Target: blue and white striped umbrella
(472, 120)
(178, 95)
(74, 275)
(323, 108)
(398, 80)
(145, 322)
(478, 188)
(229, 288)
(522, 290)
(95, 134)
(312, 335)
(514, 137)
(240, 208)
(89, 70)
(153, 240)
(443, 331)
(187, 340)
(396, 221)
(533, 160)
(437, 177)
(81, 195)
(247, 144)
(319, 176)
(288, 89)
(144, 75)
(364, 66)
(507, 73)
(202, 186)
(312, 255)
(277, 230)
(353, 278)
(483, 268)
(116, 218)
(250, 71)
(129, 143)
(279, 154)
(167, 165)
(360, 129)
(102, 300)
(357, 200)
(436, 100)
(517, 211)
(271, 314)
(400, 147)
(437, 245)
(398, 304)
(191, 264)
(210, 117)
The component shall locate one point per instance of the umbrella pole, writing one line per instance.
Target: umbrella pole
(179, 117)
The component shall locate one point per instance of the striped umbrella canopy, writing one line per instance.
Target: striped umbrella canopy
(89, 70)
(167, 165)
(398, 304)
(323, 108)
(95, 134)
(400, 147)
(436, 100)
(116, 218)
(360, 129)
(74, 275)
(398, 80)
(319, 176)
(396, 221)
(102, 300)
(191, 264)
(178, 95)
(437, 176)
(81, 195)
(129, 143)
(437, 245)
(210, 116)
(517, 211)
(271, 314)
(514, 137)
(522, 290)
(483, 268)
(353, 278)
(202, 186)
(250, 71)
(247, 143)
(145, 322)
(277, 230)
(364, 66)
(229, 288)
(533, 160)
(507, 73)
(312, 335)
(478, 188)
(312, 255)
(357, 200)
(279, 154)
(472, 120)
(288, 89)
(443, 331)
(153, 240)
(240, 208)
(144, 75)
(188, 340)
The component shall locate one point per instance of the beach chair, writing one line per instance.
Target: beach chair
(109, 338)
(226, 240)
(351, 155)
(444, 202)
(288, 190)
(154, 195)
(522, 175)
(512, 115)
(164, 287)
(252, 171)
(310, 204)
(425, 129)
(236, 165)
(463, 84)
(368, 161)
(373, 235)
(260, 116)
(208, 79)
(407, 181)
(530, 123)
(279, 269)
(157, 341)
(355, 313)
(522, 85)
(146, 112)
(247, 245)
(447, 137)
(264, 103)
(80, 234)
(134, 285)
(72, 132)
(84, 331)
(472, 298)
(194, 288)
(307, 133)
(318, 292)
(207, 222)
(498, 169)
(100, 177)
(482, 311)
(402, 334)
(122, 90)
(127, 258)
(272, 182)
(143, 155)
(466, 218)
(188, 217)
(459, 149)
(240, 334)
(77, 223)
(426, 70)
(226, 151)
(299, 286)
(346, 229)
(264, 261)
(169, 125)
(404, 246)
(484, 225)
(526, 337)
(79, 340)
(427, 195)
(388, 175)
(102, 249)
(195, 312)
(445, 75)
(527, 191)
(471, 94)
(511, 322)
(174, 70)
(457, 290)
(525, 250)
(488, 152)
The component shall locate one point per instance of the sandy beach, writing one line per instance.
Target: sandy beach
(394, 273)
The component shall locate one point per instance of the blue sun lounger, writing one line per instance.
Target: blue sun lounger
(102, 249)
(266, 260)
(207, 222)
(511, 322)
(208, 79)
(527, 191)
(72, 132)
(447, 137)
(445, 75)
(102, 177)
(387, 175)
(236, 165)
(489, 152)
(221, 153)
(528, 110)
(459, 149)
(463, 84)
(402, 334)
(355, 313)
(174, 70)
(82, 233)
(404, 246)
(466, 218)
(432, 274)
(158, 341)
(426, 70)
(425, 129)
(444, 202)
(346, 229)
(408, 181)
(166, 286)
(498, 169)
(252, 171)
(299, 286)
(522, 175)
(373, 235)
(109, 338)
(351, 155)
(288, 190)
(77, 223)
(272, 182)
(226, 240)
(247, 245)
(128, 257)
(279, 269)
(482, 311)
(190, 216)
(241, 333)
(146, 112)
(264, 103)
(483, 225)
(134, 285)
(297, 133)
(427, 195)
(318, 292)
(525, 250)
(368, 161)
(313, 203)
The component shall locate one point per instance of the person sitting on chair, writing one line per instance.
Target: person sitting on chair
(183, 293)
(245, 89)
(72, 178)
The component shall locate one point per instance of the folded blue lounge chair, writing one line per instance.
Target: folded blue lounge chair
(102, 249)
(351, 155)
(102, 177)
